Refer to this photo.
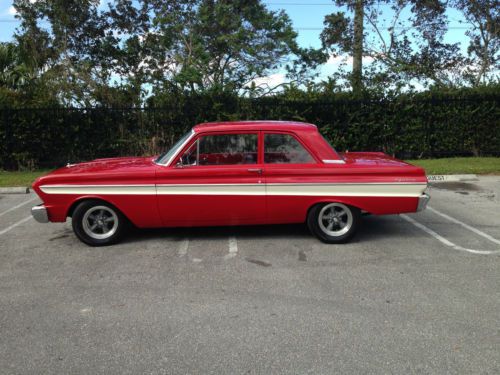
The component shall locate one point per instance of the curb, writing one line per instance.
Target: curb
(452, 178)
(14, 190)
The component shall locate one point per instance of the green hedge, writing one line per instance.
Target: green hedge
(461, 122)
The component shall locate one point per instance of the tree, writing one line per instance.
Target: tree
(218, 45)
(399, 50)
(137, 46)
(357, 47)
(14, 73)
(61, 37)
(484, 48)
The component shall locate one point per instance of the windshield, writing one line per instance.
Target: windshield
(165, 157)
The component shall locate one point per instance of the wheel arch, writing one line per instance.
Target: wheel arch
(347, 202)
(76, 202)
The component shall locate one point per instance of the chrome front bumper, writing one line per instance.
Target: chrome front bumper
(422, 201)
(39, 213)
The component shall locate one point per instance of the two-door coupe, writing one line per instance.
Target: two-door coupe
(232, 173)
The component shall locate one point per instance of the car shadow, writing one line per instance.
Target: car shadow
(373, 228)
(221, 232)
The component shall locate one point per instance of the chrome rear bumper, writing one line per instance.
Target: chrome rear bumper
(39, 213)
(422, 201)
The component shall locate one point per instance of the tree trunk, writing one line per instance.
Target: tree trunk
(357, 61)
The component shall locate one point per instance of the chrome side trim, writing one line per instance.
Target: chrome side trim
(333, 161)
(422, 201)
(39, 213)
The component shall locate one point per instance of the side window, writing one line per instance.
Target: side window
(283, 148)
(224, 149)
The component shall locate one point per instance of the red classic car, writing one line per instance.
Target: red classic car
(232, 173)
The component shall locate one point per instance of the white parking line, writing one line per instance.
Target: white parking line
(3, 231)
(17, 206)
(444, 240)
(183, 247)
(472, 229)
(233, 248)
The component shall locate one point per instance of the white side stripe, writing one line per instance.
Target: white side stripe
(318, 189)
(349, 190)
(257, 189)
(100, 189)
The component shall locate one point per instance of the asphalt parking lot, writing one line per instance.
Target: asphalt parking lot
(415, 293)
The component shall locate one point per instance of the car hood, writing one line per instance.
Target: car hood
(102, 170)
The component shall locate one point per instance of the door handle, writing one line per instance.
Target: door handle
(255, 170)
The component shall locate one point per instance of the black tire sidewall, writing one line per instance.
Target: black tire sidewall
(77, 223)
(312, 223)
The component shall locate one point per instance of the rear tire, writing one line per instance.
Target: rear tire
(334, 222)
(98, 223)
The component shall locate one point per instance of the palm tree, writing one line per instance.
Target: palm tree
(14, 73)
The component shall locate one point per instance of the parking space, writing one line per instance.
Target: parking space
(273, 299)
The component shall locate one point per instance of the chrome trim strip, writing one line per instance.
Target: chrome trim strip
(333, 161)
(39, 213)
(272, 184)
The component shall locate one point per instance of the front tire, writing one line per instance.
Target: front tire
(334, 222)
(98, 223)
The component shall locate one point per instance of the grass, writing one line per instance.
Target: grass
(459, 165)
(431, 166)
(19, 178)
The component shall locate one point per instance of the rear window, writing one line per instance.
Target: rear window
(285, 149)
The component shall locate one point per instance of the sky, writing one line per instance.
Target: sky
(307, 17)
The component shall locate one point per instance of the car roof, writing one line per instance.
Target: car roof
(255, 125)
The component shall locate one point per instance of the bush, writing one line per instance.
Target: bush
(434, 123)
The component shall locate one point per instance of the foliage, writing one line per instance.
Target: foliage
(434, 123)
(483, 60)
(90, 52)
(221, 45)
(399, 50)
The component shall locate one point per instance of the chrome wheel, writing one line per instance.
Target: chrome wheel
(100, 222)
(335, 219)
